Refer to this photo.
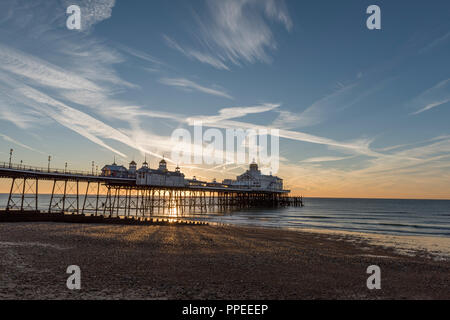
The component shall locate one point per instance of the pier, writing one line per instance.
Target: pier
(85, 194)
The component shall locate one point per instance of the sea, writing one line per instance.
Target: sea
(380, 216)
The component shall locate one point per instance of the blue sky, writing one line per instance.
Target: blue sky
(361, 112)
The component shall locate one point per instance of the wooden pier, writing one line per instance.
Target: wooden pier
(85, 194)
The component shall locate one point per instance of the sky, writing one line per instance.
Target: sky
(361, 113)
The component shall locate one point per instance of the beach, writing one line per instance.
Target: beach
(215, 262)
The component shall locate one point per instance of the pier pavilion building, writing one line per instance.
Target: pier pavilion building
(254, 179)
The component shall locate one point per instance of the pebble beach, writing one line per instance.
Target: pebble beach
(209, 262)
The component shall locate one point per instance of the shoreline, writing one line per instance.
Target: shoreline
(210, 262)
(437, 247)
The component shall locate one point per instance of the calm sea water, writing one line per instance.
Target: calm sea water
(399, 217)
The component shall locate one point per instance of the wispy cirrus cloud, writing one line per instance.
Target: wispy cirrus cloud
(222, 121)
(140, 55)
(191, 85)
(80, 122)
(78, 73)
(433, 97)
(69, 117)
(20, 144)
(93, 129)
(435, 43)
(236, 32)
(231, 113)
(42, 72)
(431, 106)
(345, 96)
(196, 55)
(241, 27)
(325, 159)
(84, 80)
(24, 78)
(22, 118)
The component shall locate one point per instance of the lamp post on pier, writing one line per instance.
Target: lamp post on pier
(49, 159)
(93, 166)
(10, 156)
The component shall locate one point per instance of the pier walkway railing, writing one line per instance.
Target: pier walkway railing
(23, 167)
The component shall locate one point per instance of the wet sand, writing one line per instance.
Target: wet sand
(209, 262)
